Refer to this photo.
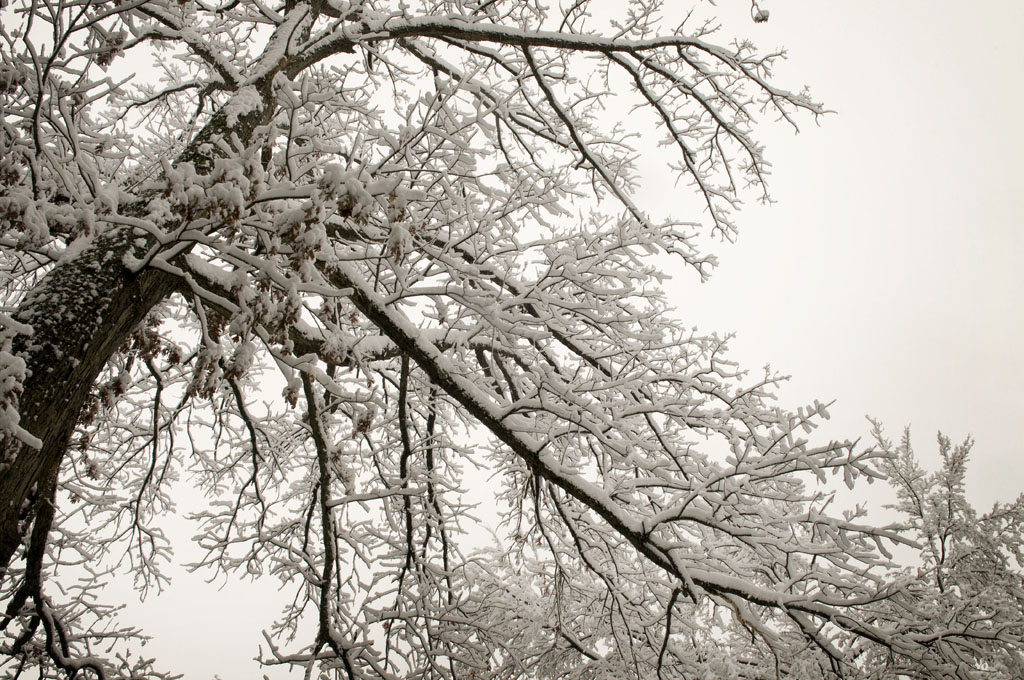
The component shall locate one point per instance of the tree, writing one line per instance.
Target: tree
(969, 573)
(415, 221)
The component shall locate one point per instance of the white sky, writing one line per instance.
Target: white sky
(888, 274)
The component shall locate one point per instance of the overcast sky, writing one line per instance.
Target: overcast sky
(888, 274)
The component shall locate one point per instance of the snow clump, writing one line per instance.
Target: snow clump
(245, 101)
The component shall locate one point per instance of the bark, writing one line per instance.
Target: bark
(80, 314)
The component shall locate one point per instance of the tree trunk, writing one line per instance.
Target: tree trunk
(80, 313)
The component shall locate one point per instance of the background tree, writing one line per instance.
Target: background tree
(415, 222)
(969, 574)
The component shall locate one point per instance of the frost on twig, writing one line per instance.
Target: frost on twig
(12, 375)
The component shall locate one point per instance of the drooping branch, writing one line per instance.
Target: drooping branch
(447, 377)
